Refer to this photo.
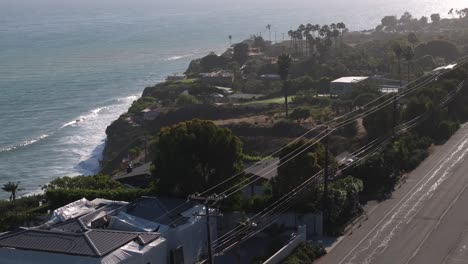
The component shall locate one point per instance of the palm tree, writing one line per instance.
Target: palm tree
(408, 53)
(450, 12)
(316, 28)
(311, 42)
(12, 188)
(284, 62)
(341, 27)
(299, 38)
(269, 30)
(398, 51)
(324, 31)
(230, 39)
(300, 32)
(412, 38)
(290, 34)
(335, 33)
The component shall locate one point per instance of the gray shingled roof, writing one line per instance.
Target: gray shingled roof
(137, 171)
(92, 243)
(165, 211)
(82, 223)
(267, 169)
(71, 226)
(107, 209)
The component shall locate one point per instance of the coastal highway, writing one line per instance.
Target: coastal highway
(425, 220)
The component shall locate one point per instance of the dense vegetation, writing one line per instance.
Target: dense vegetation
(193, 156)
(306, 253)
(276, 92)
(64, 190)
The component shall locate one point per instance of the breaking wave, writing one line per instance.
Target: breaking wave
(24, 143)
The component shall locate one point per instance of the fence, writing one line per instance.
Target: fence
(285, 251)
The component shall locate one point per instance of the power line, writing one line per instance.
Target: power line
(342, 124)
(431, 78)
(403, 129)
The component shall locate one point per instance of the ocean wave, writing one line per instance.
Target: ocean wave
(128, 98)
(173, 58)
(24, 143)
(93, 113)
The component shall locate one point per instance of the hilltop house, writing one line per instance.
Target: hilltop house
(150, 230)
(345, 85)
(176, 77)
(217, 78)
(270, 77)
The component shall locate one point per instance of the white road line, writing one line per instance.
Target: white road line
(409, 193)
(438, 223)
(433, 188)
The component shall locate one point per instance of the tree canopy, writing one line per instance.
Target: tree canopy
(12, 188)
(438, 48)
(301, 167)
(300, 114)
(193, 156)
(212, 62)
(241, 53)
(379, 123)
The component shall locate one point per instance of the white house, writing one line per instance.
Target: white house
(344, 85)
(70, 237)
(148, 231)
(181, 223)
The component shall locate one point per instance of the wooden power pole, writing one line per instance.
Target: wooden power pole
(325, 182)
(207, 202)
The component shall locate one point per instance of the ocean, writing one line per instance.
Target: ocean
(69, 68)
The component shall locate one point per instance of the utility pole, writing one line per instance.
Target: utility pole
(146, 148)
(325, 182)
(207, 201)
(395, 108)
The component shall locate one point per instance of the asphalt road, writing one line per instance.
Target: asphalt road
(425, 221)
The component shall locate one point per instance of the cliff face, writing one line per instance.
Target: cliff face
(134, 131)
(122, 134)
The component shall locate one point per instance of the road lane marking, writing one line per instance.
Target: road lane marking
(437, 225)
(383, 244)
(403, 199)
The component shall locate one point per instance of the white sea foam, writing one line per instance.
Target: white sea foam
(173, 58)
(128, 98)
(85, 141)
(82, 118)
(24, 143)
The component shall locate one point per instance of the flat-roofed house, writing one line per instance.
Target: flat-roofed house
(344, 85)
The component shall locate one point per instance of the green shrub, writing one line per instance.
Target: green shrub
(95, 182)
(187, 99)
(310, 98)
(306, 253)
(300, 114)
(141, 104)
(445, 130)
